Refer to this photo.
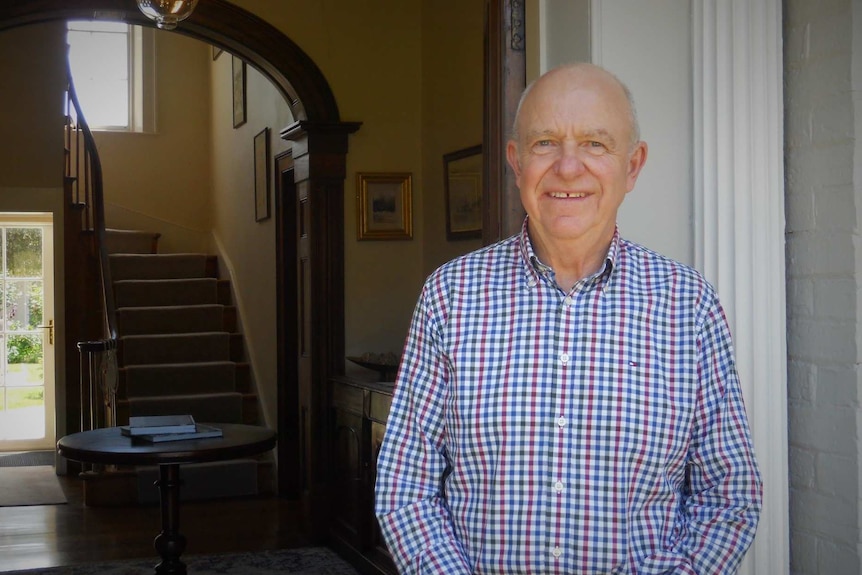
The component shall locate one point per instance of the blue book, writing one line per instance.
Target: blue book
(156, 424)
(202, 432)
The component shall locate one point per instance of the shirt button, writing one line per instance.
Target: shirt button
(568, 301)
(557, 552)
(558, 486)
(561, 421)
(532, 282)
(564, 358)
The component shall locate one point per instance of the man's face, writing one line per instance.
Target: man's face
(574, 161)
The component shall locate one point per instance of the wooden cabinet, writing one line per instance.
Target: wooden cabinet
(358, 415)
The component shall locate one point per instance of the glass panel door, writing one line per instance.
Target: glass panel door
(27, 337)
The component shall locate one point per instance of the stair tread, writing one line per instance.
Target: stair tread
(171, 307)
(180, 364)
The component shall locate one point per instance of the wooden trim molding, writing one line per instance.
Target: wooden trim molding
(505, 79)
(216, 22)
(739, 227)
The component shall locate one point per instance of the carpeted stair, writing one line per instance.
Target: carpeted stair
(179, 352)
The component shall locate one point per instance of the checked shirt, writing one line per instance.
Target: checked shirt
(599, 431)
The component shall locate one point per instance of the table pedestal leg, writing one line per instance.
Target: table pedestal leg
(170, 544)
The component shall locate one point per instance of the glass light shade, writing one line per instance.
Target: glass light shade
(167, 13)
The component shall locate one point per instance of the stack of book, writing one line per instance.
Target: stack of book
(160, 428)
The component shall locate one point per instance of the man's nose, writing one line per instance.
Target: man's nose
(570, 162)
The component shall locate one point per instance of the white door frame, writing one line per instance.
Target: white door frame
(45, 221)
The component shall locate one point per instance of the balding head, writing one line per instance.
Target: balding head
(584, 72)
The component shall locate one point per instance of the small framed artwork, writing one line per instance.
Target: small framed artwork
(384, 206)
(239, 108)
(261, 175)
(462, 184)
(216, 52)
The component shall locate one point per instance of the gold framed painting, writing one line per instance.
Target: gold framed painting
(384, 206)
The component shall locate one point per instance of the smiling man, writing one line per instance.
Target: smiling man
(568, 401)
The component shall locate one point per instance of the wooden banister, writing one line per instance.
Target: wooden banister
(96, 340)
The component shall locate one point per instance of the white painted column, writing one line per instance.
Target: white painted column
(739, 226)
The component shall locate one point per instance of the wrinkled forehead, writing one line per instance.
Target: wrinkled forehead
(576, 100)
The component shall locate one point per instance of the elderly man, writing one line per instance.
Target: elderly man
(567, 400)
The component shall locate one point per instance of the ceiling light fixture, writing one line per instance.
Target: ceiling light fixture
(167, 13)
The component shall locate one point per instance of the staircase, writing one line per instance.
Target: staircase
(179, 352)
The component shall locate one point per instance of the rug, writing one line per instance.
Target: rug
(302, 561)
(33, 485)
(25, 458)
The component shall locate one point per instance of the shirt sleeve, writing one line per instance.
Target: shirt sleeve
(723, 494)
(409, 502)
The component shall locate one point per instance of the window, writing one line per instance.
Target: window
(112, 66)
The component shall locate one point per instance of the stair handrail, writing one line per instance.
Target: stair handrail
(100, 353)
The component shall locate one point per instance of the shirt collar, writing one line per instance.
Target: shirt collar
(534, 269)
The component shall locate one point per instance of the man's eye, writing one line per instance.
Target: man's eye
(594, 144)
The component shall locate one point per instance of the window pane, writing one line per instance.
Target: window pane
(24, 361)
(99, 60)
(97, 26)
(23, 305)
(24, 252)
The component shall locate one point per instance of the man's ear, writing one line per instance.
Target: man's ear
(637, 159)
(512, 158)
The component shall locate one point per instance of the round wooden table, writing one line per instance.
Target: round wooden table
(108, 446)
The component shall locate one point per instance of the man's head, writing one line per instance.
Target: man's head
(576, 153)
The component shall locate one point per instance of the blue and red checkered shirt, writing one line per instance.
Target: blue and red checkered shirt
(598, 431)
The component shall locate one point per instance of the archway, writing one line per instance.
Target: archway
(320, 148)
(216, 22)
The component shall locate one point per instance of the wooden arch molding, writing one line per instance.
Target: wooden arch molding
(216, 22)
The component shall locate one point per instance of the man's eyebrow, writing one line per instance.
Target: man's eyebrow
(600, 134)
(538, 134)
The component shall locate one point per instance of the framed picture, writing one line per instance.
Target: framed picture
(239, 109)
(261, 175)
(462, 184)
(216, 52)
(384, 206)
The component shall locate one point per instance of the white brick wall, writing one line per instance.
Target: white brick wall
(823, 289)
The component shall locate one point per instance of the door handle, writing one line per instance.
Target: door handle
(50, 328)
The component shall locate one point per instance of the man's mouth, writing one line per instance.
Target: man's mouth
(568, 195)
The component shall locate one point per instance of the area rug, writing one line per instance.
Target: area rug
(33, 485)
(25, 458)
(302, 561)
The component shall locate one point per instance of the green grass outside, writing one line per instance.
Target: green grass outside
(18, 393)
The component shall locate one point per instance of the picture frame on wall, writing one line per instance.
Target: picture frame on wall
(262, 176)
(239, 105)
(462, 187)
(384, 207)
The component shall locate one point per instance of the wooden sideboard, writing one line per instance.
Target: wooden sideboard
(359, 412)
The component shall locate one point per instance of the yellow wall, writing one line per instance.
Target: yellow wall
(452, 77)
(162, 182)
(370, 53)
(246, 248)
(32, 63)
(411, 72)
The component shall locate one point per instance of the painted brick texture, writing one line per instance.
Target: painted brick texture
(823, 188)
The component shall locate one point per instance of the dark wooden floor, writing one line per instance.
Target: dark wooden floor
(51, 535)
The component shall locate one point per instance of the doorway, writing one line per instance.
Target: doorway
(26, 332)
